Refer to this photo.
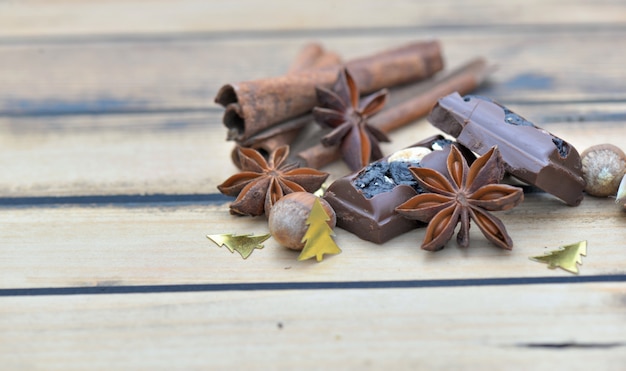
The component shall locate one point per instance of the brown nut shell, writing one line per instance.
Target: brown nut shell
(604, 166)
(287, 220)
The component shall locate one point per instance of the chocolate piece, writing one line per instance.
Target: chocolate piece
(365, 201)
(530, 153)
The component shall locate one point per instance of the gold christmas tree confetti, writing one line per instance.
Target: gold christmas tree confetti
(566, 257)
(318, 237)
(243, 244)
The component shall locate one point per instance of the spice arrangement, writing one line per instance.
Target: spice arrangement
(263, 182)
(260, 109)
(365, 202)
(342, 110)
(437, 183)
(462, 194)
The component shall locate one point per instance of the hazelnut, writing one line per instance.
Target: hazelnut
(287, 220)
(604, 166)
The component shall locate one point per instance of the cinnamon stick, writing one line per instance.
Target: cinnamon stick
(312, 56)
(267, 102)
(463, 79)
(259, 140)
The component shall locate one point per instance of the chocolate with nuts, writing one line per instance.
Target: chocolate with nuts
(463, 193)
(530, 153)
(365, 201)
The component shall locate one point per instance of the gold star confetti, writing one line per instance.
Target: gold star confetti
(318, 237)
(243, 244)
(566, 257)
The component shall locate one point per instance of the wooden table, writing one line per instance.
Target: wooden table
(111, 149)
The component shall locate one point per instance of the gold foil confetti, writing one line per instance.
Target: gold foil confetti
(566, 257)
(243, 244)
(318, 237)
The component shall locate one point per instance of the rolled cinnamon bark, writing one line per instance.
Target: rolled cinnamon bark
(306, 57)
(267, 102)
(319, 156)
(463, 79)
(466, 78)
(327, 59)
(260, 139)
(312, 56)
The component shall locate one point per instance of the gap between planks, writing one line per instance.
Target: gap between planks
(488, 328)
(282, 286)
(186, 74)
(162, 155)
(135, 245)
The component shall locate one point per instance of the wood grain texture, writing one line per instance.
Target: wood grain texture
(134, 117)
(111, 99)
(167, 245)
(184, 154)
(490, 328)
(73, 17)
(185, 74)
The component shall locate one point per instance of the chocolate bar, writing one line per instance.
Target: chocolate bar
(530, 153)
(365, 201)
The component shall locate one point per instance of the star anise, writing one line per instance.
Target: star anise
(261, 183)
(342, 110)
(468, 193)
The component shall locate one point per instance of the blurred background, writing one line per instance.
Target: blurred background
(116, 97)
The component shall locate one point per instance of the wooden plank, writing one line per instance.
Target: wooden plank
(114, 98)
(161, 244)
(128, 154)
(181, 75)
(186, 153)
(576, 327)
(72, 17)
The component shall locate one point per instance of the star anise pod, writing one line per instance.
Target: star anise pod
(467, 193)
(342, 110)
(261, 183)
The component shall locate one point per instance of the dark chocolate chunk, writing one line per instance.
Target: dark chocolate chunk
(531, 154)
(374, 179)
(369, 211)
(383, 176)
(400, 174)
